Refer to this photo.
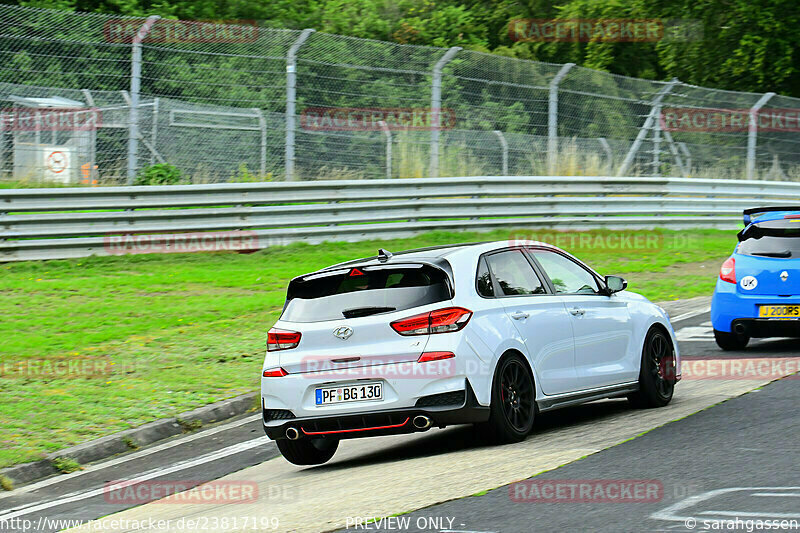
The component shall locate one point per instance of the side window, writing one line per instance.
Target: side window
(567, 276)
(514, 273)
(484, 280)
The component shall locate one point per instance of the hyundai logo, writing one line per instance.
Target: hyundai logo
(784, 275)
(343, 332)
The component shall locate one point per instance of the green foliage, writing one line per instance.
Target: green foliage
(159, 174)
(188, 426)
(745, 45)
(66, 465)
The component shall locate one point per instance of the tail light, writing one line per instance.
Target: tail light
(444, 320)
(435, 356)
(728, 270)
(280, 339)
(275, 373)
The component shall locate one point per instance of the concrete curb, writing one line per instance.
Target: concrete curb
(117, 443)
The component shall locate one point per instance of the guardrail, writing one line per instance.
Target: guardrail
(78, 222)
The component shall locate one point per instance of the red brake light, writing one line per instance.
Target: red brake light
(435, 356)
(275, 373)
(440, 321)
(279, 339)
(728, 270)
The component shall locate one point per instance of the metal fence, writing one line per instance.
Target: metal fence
(78, 222)
(228, 106)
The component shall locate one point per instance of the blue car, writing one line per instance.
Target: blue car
(758, 290)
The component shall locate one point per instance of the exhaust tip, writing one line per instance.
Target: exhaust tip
(422, 422)
(740, 329)
(292, 434)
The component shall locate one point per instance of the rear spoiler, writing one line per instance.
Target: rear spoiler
(755, 212)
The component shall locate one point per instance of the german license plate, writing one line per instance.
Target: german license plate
(349, 393)
(779, 311)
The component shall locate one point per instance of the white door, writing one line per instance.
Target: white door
(540, 318)
(601, 324)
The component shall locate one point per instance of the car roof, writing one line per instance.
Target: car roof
(435, 254)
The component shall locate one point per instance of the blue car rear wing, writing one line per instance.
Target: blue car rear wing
(755, 212)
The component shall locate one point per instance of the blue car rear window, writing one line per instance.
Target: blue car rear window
(776, 238)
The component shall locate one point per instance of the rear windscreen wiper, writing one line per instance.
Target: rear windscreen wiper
(366, 311)
(784, 253)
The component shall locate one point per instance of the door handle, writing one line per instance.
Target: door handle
(577, 311)
(519, 315)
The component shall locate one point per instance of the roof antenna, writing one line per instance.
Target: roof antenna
(384, 255)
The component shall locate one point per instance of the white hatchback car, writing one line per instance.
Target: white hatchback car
(486, 333)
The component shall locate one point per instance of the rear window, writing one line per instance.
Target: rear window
(364, 291)
(777, 238)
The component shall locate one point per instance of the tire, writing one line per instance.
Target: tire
(513, 405)
(657, 371)
(731, 341)
(307, 451)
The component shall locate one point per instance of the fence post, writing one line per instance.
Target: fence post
(607, 148)
(688, 158)
(655, 106)
(436, 108)
(291, 98)
(154, 130)
(262, 125)
(136, 81)
(752, 134)
(676, 154)
(388, 135)
(552, 119)
(504, 147)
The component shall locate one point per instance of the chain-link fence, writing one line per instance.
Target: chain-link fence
(90, 98)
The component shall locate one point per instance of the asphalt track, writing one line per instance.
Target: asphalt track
(380, 477)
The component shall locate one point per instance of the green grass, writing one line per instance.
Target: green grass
(168, 333)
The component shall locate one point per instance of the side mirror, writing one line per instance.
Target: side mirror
(615, 284)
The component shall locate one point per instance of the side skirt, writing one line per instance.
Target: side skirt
(549, 403)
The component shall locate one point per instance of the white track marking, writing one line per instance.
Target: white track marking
(695, 333)
(129, 457)
(678, 512)
(690, 314)
(183, 465)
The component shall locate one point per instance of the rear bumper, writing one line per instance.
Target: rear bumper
(763, 328)
(729, 307)
(380, 422)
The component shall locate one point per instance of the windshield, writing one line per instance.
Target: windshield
(364, 291)
(778, 238)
